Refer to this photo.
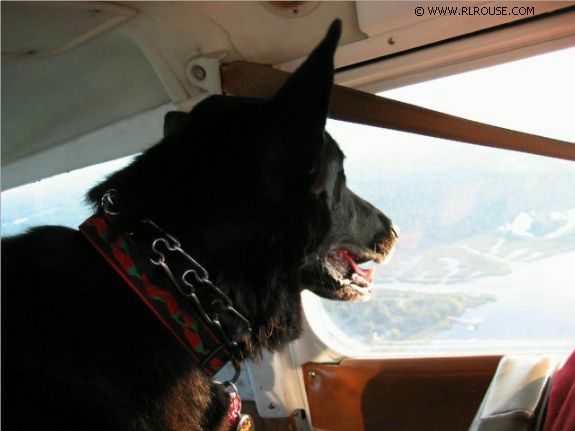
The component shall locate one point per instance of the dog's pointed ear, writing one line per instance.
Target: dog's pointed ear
(173, 121)
(304, 98)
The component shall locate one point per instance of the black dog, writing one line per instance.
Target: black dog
(255, 192)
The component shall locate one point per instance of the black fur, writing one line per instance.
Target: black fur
(255, 191)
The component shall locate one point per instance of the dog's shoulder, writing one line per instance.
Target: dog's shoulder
(43, 251)
(64, 306)
(47, 269)
(39, 236)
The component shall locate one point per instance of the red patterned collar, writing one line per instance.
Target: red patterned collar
(148, 270)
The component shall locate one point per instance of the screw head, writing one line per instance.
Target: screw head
(199, 72)
(271, 406)
(391, 41)
(312, 374)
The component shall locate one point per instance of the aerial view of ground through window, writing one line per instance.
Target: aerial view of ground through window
(486, 248)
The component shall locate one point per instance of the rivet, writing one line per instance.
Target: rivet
(391, 41)
(199, 72)
(312, 374)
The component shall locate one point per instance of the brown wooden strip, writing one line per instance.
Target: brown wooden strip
(256, 80)
(432, 394)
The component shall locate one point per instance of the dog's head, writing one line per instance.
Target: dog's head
(256, 191)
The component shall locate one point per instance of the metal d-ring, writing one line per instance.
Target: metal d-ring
(235, 377)
(107, 203)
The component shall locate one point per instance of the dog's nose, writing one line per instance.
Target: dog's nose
(394, 229)
(385, 239)
(390, 229)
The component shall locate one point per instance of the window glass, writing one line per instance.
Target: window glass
(533, 95)
(485, 259)
(58, 200)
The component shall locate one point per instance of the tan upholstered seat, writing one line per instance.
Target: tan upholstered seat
(517, 395)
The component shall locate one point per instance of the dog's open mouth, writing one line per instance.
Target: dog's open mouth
(344, 267)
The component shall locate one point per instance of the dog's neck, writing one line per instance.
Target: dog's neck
(173, 285)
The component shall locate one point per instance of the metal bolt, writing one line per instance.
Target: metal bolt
(391, 41)
(199, 72)
(312, 374)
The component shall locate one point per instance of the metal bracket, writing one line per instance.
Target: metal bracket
(299, 421)
(276, 386)
(204, 73)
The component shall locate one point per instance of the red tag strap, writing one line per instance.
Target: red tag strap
(234, 409)
(236, 420)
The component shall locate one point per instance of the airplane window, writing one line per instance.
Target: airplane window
(484, 262)
(57, 200)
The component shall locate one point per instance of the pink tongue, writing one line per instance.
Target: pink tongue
(365, 273)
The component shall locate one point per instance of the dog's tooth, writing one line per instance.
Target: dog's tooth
(344, 282)
(361, 281)
(363, 290)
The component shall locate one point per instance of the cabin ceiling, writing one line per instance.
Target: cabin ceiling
(69, 68)
(49, 99)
